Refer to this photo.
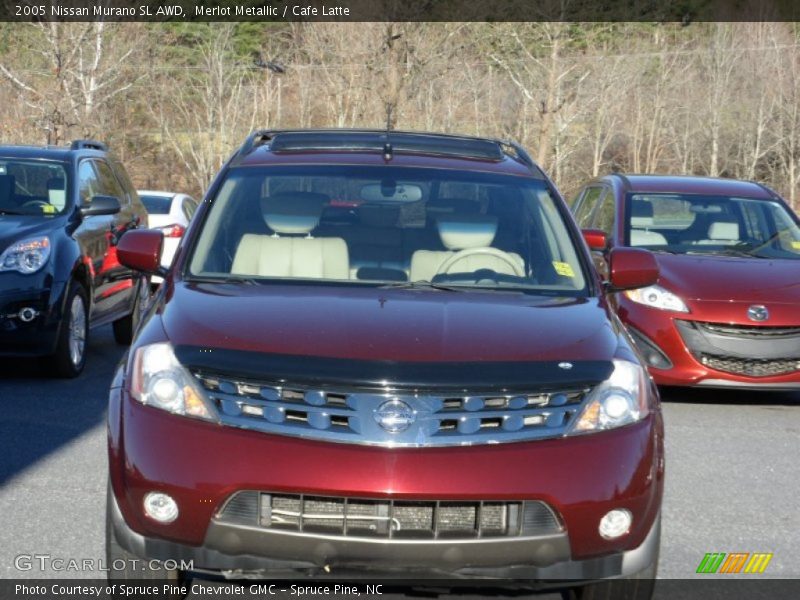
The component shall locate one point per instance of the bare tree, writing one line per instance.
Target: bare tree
(76, 70)
(204, 111)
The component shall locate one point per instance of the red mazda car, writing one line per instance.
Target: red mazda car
(724, 312)
(385, 354)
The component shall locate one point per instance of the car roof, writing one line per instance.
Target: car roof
(371, 147)
(60, 153)
(684, 184)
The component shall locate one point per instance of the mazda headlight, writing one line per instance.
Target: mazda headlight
(619, 400)
(26, 256)
(656, 296)
(159, 380)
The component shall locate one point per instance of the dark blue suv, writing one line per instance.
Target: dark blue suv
(62, 212)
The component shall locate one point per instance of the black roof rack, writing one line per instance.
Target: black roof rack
(376, 141)
(441, 144)
(88, 145)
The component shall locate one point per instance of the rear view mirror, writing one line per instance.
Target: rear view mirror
(140, 250)
(101, 205)
(391, 191)
(631, 268)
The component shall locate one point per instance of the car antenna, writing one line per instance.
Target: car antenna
(387, 147)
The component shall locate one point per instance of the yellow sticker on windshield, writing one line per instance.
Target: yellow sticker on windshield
(563, 268)
(48, 208)
(796, 245)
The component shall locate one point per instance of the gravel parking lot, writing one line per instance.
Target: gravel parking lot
(732, 470)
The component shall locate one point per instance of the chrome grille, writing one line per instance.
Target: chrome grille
(396, 519)
(751, 367)
(350, 416)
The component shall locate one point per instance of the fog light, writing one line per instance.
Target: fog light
(615, 523)
(160, 507)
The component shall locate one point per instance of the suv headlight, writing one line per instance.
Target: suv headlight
(26, 256)
(619, 400)
(656, 296)
(159, 380)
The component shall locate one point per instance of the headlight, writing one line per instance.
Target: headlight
(619, 400)
(26, 256)
(657, 297)
(159, 380)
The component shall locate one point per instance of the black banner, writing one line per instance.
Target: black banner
(734, 587)
(399, 10)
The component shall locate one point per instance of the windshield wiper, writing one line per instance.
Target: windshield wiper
(727, 252)
(8, 211)
(420, 285)
(751, 248)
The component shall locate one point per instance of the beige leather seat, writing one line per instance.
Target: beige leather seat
(722, 233)
(468, 241)
(641, 221)
(291, 251)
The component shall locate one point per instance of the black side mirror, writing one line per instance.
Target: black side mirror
(101, 205)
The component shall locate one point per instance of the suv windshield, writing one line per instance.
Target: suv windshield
(387, 226)
(32, 188)
(694, 224)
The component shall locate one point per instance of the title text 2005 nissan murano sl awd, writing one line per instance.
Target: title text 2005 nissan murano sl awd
(387, 354)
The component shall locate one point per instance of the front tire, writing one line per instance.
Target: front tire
(70, 355)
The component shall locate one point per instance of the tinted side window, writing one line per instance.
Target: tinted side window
(88, 184)
(109, 185)
(604, 216)
(590, 198)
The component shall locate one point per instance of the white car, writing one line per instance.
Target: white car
(170, 212)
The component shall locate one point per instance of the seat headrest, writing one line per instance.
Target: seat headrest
(465, 231)
(293, 212)
(641, 214)
(724, 230)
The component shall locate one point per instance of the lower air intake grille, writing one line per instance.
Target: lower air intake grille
(751, 367)
(396, 519)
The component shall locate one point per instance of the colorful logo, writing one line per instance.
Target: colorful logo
(735, 562)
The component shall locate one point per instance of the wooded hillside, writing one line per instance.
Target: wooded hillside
(174, 101)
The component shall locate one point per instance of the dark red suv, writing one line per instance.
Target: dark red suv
(725, 310)
(386, 354)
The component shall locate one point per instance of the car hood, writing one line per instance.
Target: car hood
(730, 279)
(388, 324)
(14, 228)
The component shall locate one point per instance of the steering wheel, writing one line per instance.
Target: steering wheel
(35, 203)
(447, 265)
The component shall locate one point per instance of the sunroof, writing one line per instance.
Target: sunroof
(419, 143)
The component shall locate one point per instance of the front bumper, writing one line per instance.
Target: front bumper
(202, 464)
(37, 337)
(236, 551)
(677, 336)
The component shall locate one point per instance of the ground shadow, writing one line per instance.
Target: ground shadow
(42, 413)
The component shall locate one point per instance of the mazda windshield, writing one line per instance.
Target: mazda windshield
(719, 225)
